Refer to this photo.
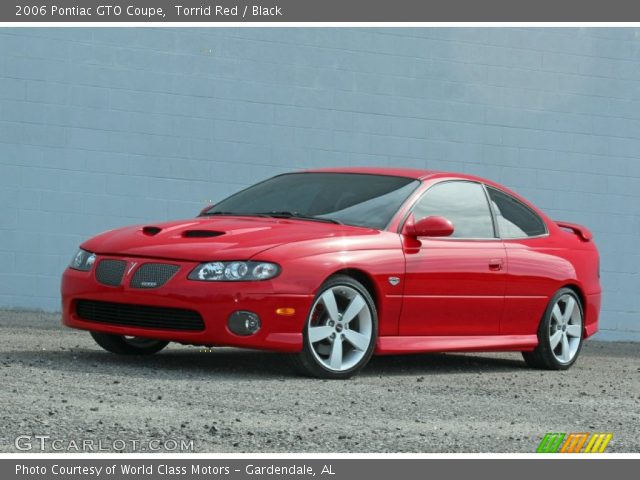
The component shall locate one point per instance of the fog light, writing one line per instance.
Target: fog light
(243, 323)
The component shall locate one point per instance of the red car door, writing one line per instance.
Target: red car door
(454, 285)
(534, 268)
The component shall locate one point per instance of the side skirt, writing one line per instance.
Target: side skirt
(488, 343)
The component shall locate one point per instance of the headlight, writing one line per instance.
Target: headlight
(234, 271)
(83, 260)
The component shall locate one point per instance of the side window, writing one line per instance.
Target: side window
(515, 219)
(464, 203)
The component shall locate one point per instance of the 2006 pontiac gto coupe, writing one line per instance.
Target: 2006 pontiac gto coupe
(337, 265)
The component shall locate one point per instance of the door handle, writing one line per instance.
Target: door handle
(495, 264)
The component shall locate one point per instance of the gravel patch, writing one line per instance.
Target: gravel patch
(58, 382)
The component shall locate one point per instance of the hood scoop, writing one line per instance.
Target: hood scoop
(201, 233)
(151, 231)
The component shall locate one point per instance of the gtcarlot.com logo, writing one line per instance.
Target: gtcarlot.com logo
(46, 443)
(574, 443)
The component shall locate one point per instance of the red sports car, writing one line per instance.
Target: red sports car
(337, 265)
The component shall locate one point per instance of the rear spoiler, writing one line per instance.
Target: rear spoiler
(583, 232)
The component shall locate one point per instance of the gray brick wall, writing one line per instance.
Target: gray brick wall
(105, 127)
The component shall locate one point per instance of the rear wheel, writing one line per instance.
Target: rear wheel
(560, 333)
(125, 345)
(340, 332)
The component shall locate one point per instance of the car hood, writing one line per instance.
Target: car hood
(213, 238)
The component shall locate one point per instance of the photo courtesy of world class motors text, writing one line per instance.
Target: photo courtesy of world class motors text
(195, 469)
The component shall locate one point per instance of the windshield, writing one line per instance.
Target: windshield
(351, 198)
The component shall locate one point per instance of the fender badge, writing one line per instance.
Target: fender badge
(394, 281)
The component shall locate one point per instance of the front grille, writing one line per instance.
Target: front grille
(139, 315)
(153, 275)
(110, 272)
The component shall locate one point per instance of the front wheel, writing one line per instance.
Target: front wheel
(560, 333)
(340, 332)
(123, 345)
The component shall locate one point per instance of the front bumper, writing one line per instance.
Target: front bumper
(214, 301)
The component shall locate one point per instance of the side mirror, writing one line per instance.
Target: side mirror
(433, 226)
(205, 209)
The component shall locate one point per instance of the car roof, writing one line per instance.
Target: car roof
(418, 174)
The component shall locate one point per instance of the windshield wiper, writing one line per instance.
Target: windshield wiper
(232, 214)
(274, 214)
(288, 214)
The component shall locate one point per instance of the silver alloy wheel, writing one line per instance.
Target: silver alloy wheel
(565, 328)
(340, 328)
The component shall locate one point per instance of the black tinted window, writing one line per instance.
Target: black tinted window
(515, 219)
(464, 203)
(352, 199)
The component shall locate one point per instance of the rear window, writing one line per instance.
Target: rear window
(515, 219)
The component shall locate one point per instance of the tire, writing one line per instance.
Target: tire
(334, 346)
(560, 334)
(128, 345)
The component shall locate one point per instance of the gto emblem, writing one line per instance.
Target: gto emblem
(133, 265)
(394, 281)
(148, 284)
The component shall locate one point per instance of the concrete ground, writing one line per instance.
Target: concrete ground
(56, 382)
